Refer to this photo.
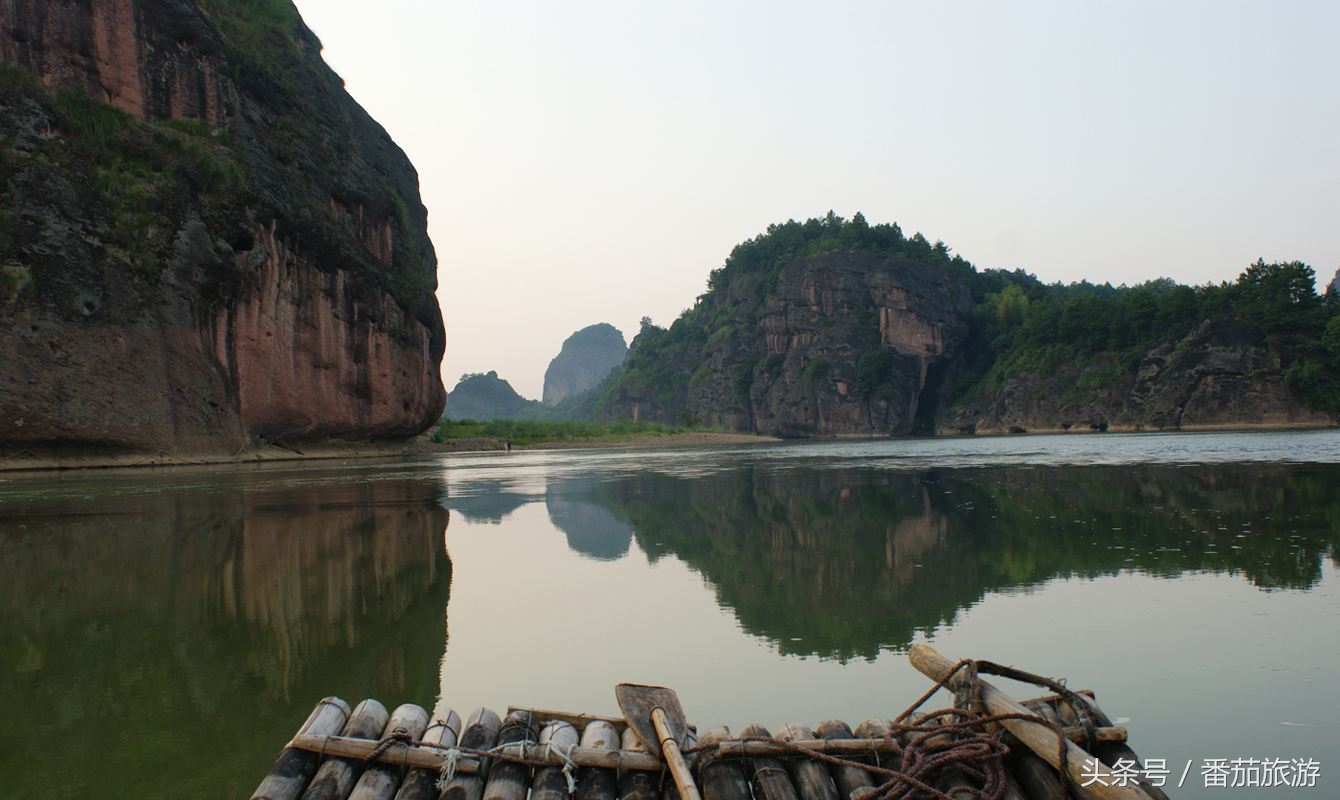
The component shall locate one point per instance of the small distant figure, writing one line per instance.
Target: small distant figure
(509, 444)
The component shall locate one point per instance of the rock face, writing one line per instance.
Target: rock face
(841, 343)
(205, 244)
(1223, 374)
(485, 396)
(586, 357)
(1334, 287)
(881, 334)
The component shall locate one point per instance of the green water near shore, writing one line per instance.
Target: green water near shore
(170, 628)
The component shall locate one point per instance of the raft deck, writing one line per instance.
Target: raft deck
(986, 745)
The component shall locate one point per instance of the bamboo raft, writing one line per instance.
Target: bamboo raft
(986, 746)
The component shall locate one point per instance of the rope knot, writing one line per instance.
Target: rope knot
(396, 736)
(447, 774)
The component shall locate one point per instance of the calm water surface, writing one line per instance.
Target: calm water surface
(162, 632)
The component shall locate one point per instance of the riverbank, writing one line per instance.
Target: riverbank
(683, 439)
(1018, 430)
(419, 446)
(22, 461)
(423, 445)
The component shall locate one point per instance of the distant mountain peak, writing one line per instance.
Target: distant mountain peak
(485, 396)
(586, 358)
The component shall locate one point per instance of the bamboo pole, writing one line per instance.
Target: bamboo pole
(432, 757)
(1037, 737)
(674, 760)
(810, 777)
(295, 766)
(335, 778)
(770, 779)
(721, 779)
(550, 783)
(421, 783)
(576, 720)
(481, 732)
(848, 780)
(508, 780)
(426, 757)
(834, 747)
(881, 730)
(669, 791)
(1012, 790)
(1038, 781)
(381, 780)
(1110, 750)
(638, 784)
(595, 783)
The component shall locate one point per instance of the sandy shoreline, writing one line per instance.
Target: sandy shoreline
(418, 446)
(691, 439)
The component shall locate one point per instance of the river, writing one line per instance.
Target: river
(163, 631)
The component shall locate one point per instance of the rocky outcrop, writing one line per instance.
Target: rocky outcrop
(897, 336)
(485, 396)
(154, 59)
(1334, 287)
(206, 246)
(841, 343)
(1222, 375)
(586, 357)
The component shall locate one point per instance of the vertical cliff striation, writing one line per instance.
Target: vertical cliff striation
(206, 246)
(839, 327)
(584, 360)
(826, 327)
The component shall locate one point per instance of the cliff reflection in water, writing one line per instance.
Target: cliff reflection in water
(845, 562)
(144, 630)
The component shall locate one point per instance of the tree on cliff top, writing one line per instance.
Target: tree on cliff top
(787, 241)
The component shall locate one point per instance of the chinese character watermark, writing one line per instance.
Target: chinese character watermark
(1223, 773)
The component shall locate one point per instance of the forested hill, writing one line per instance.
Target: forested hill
(1263, 349)
(836, 326)
(485, 396)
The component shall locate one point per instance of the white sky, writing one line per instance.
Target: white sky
(590, 162)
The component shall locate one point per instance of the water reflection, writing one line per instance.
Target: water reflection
(845, 562)
(488, 501)
(592, 530)
(140, 630)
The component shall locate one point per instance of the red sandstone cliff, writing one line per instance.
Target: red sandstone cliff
(838, 343)
(238, 259)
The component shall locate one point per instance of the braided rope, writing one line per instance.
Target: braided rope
(397, 736)
(951, 740)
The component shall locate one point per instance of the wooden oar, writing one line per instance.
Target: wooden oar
(654, 714)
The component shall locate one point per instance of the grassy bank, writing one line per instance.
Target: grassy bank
(526, 433)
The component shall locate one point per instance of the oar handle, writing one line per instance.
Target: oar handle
(679, 769)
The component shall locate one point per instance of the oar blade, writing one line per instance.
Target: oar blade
(636, 701)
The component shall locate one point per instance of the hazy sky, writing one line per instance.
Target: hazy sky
(591, 161)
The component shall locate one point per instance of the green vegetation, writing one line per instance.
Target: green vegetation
(262, 34)
(483, 395)
(766, 253)
(135, 181)
(771, 541)
(297, 153)
(1021, 323)
(664, 358)
(874, 372)
(524, 432)
(815, 372)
